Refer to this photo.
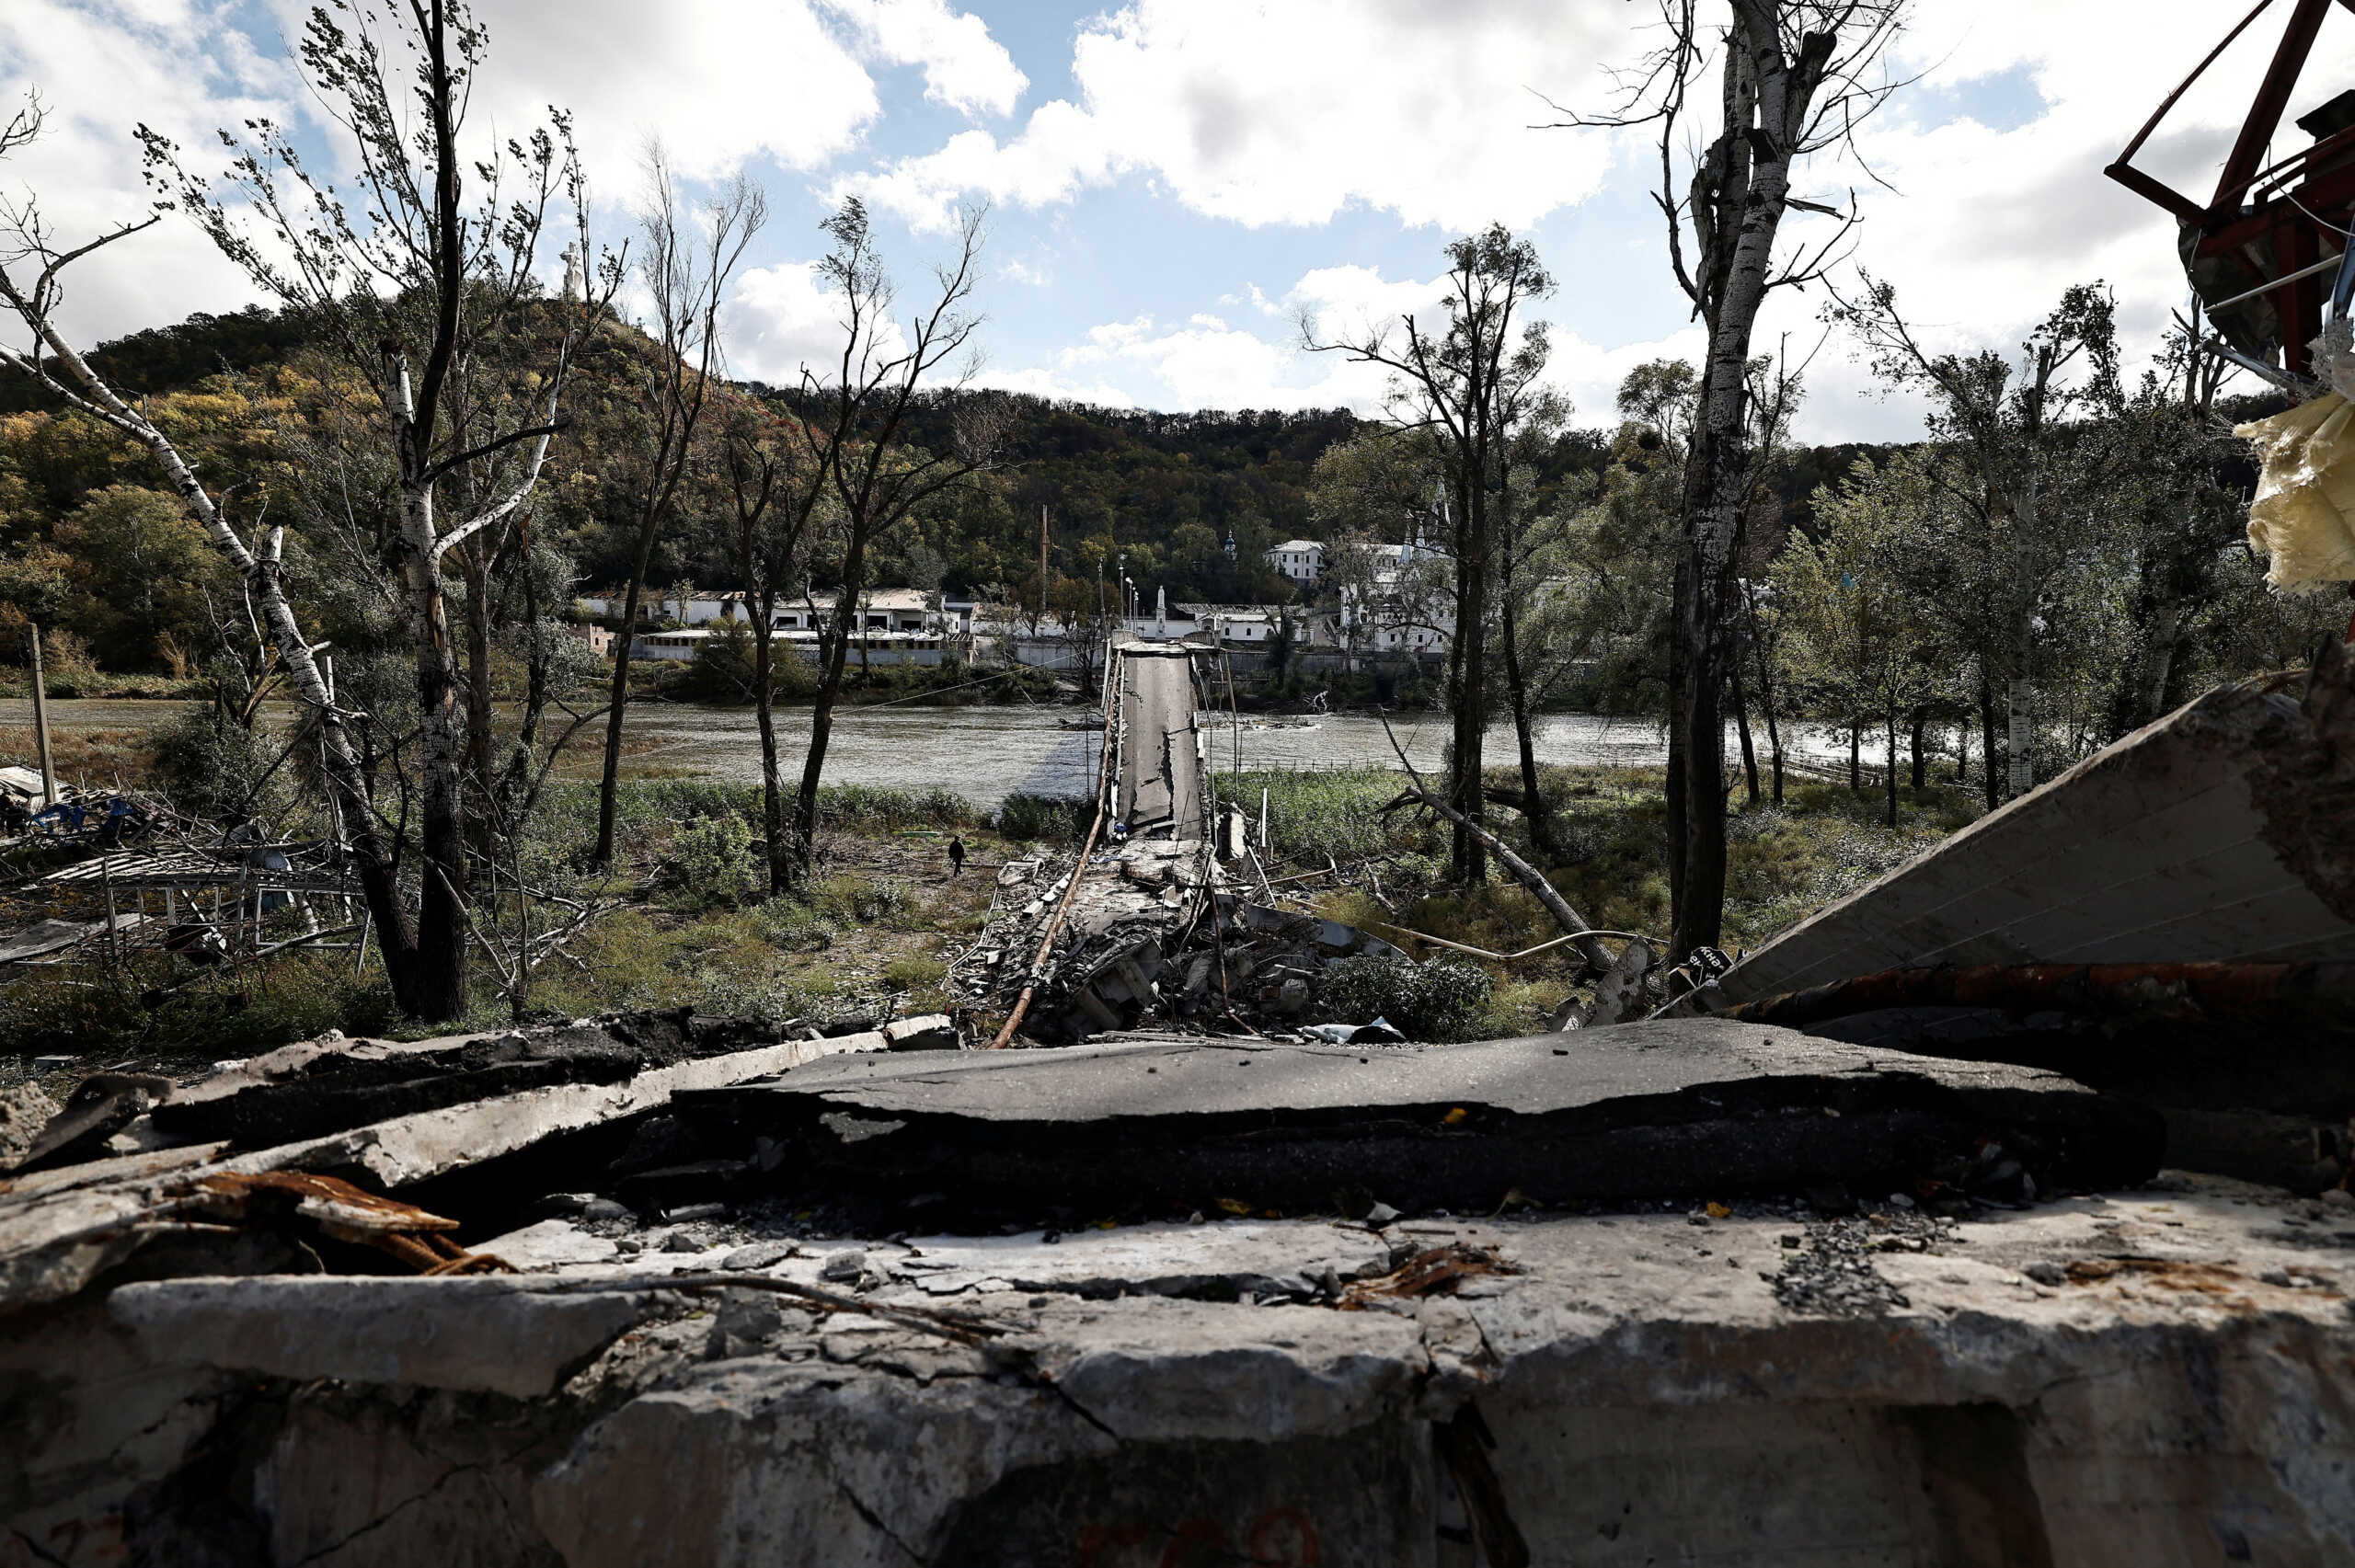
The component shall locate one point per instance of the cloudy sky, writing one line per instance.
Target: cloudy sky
(1170, 182)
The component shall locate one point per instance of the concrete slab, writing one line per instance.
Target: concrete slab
(313, 1088)
(1674, 1106)
(1161, 774)
(61, 1229)
(2157, 1376)
(2210, 835)
(491, 1332)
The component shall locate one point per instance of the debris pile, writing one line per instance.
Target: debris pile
(1155, 937)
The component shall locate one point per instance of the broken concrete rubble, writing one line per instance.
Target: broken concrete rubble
(2164, 1400)
(61, 1229)
(24, 1112)
(1155, 938)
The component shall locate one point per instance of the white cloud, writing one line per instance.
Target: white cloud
(964, 67)
(1988, 226)
(1350, 300)
(1040, 382)
(719, 81)
(100, 68)
(1208, 362)
(779, 318)
(1267, 114)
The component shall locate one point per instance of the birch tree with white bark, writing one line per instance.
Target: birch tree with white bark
(432, 292)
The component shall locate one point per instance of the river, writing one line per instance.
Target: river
(987, 753)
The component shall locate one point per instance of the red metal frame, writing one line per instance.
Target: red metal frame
(2270, 221)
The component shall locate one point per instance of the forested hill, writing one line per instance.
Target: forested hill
(1164, 491)
(165, 359)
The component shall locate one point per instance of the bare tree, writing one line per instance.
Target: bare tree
(849, 426)
(684, 268)
(1471, 385)
(1793, 85)
(776, 493)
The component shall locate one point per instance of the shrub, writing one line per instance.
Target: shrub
(1446, 998)
(790, 922)
(1314, 813)
(881, 806)
(1049, 817)
(912, 971)
(711, 860)
(215, 770)
(852, 900)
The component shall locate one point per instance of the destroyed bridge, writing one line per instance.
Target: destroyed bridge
(1997, 1214)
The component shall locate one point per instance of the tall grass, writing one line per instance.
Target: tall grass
(652, 809)
(1314, 813)
(1049, 818)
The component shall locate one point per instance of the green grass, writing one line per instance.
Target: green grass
(1315, 813)
(883, 916)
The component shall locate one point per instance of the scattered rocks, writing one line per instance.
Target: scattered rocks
(2046, 1272)
(1832, 1274)
(842, 1267)
(759, 1255)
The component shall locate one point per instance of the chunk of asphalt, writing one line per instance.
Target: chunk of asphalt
(1683, 1106)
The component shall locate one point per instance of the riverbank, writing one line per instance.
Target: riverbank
(984, 753)
(685, 922)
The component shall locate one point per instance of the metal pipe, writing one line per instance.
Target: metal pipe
(2297, 386)
(2302, 273)
(1524, 953)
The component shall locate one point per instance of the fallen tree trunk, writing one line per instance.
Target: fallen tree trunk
(1591, 947)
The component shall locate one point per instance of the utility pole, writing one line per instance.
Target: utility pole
(40, 723)
(1042, 557)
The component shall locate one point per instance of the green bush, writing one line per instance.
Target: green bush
(712, 864)
(881, 806)
(791, 923)
(215, 770)
(1446, 998)
(852, 900)
(1053, 818)
(836, 904)
(912, 971)
(1312, 814)
(721, 670)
